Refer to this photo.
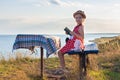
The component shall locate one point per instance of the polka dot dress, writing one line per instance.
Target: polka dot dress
(70, 44)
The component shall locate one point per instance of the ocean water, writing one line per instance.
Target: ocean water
(7, 41)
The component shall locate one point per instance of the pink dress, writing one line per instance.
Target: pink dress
(70, 44)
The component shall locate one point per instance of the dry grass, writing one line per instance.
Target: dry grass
(19, 68)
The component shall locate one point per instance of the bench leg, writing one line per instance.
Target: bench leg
(84, 60)
(82, 66)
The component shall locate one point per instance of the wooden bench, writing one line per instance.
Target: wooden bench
(83, 60)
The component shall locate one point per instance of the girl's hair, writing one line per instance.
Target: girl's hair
(81, 13)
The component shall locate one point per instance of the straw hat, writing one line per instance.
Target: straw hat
(81, 13)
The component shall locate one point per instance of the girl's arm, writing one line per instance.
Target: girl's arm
(81, 31)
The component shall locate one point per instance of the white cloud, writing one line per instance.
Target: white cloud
(32, 19)
(41, 3)
(91, 25)
(61, 3)
(41, 17)
(116, 5)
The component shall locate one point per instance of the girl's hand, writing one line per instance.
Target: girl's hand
(72, 33)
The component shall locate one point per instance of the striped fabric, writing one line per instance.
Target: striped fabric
(27, 41)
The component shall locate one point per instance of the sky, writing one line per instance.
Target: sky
(52, 16)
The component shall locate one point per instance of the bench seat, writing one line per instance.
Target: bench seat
(86, 52)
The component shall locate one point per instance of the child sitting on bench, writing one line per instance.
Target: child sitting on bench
(76, 42)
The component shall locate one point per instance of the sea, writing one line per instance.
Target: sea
(7, 41)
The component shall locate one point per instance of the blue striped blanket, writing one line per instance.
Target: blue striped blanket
(27, 41)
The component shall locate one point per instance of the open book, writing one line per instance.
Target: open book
(67, 30)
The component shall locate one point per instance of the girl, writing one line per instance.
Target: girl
(77, 37)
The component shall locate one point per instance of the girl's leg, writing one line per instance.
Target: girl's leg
(62, 61)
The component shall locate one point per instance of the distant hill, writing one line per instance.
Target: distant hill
(108, 43)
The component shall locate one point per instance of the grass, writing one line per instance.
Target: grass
(104, 75)
(29, 69)
(19, 68)
(104, 66)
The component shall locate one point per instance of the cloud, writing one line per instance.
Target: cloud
(56, 2)
(10, 21)
(60, 3)
(71, 3)
(116, 5)
(91, 25)
(26, 20)
(4, 21)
